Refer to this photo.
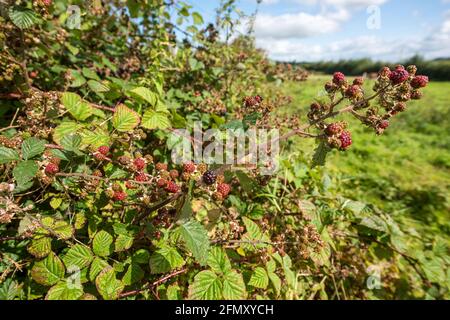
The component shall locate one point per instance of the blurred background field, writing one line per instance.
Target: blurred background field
(406, 171)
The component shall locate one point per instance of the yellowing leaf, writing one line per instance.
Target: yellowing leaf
(125, 119)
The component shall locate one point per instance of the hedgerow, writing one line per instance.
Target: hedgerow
(92, 205)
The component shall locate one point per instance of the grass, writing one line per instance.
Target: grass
(405, 172)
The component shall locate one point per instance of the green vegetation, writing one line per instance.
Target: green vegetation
(406, 171)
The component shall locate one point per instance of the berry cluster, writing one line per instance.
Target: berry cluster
(338, 137)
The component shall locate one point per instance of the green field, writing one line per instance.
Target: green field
(405, 172)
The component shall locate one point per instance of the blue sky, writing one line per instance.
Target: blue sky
(311, 30)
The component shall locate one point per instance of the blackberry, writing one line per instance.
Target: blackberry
(419, 82)
(140, 177)
(51, 168)
(119, 195)
(399, 75)
(358, 81)
(224, 189)
(384, 124)
(174, 174)
(139, 163)
(161, 166)
(162, 183)
(346, 140)
(172, 187)
(333, 129)
(209, 177)
(189, 167)
(104, 150)
(338, 78)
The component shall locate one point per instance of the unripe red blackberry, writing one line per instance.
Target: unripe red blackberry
(399, 75)
(161, 166)
(333, 129)
(172, 187)
(346, 140)
(315, 106)
(338, 78)
(352, 91)
(258, 99)
(224, 189)
(119, 195)
(104, 150)
(139, 163)
(141, 177)
(189, 167)
(330, 87)
(419, 82)
(209, 177)
(99, 156)
(250, 102)
(358, 81)
(162, 183)
(384, 124)
(174, 174)
(51, 168)
(416, 95)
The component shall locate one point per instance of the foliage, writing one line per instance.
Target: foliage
(92, 207)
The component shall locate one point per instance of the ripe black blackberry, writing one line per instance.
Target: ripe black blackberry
(209, 177)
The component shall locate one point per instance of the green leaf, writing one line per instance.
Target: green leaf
(96, 267)
(65, 290)
(123, 242)
(141, 256)
(71, 142)
(97, 87)
(9, 289)
(95, 138)
(218, 261)
(103, 244)
(165, 260)
(206, 286)
(107, 284)
(198, 19)
(79, 109)
(255, 235)
(90, 74)
(234, 286)
(79, 256)
(65, 128)
(8, 155)
(196, 239)
(23, 18)
(134, 274)
(32, 147)
(155, 120)
(25, 171)
(125, 119)
(40, 248)
(145, 94)
(276, 282)
(78, 79)
(48, 271)
(259, 278)
(63, 230)
(320, 154)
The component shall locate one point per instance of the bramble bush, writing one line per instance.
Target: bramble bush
(93, 207)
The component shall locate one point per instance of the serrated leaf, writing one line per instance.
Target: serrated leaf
(48, 271)
(9, 289)
(32, 147)
(8, 155)
(107, 284)
(63, 230)
(103, 244)
(25, 171)
(206, 286)
(196, 240)
(155, 120)
(165, 260)
(79, 256)
(259, 278)
(96, 267)
(133, 274)
(125, 119)
(90, 74)
(65, 290)
(123, 242)
(254, 235)
(218, 261)
(78, 79)
(97, 87)
(320, 154)
(71, 142)
(276, 282)
(23, 18)
(141, 256)
(79, 109)
(80, 220)
(234, 286)
(145, 94)
(65, 128)
(40, 248)
(95, 138)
